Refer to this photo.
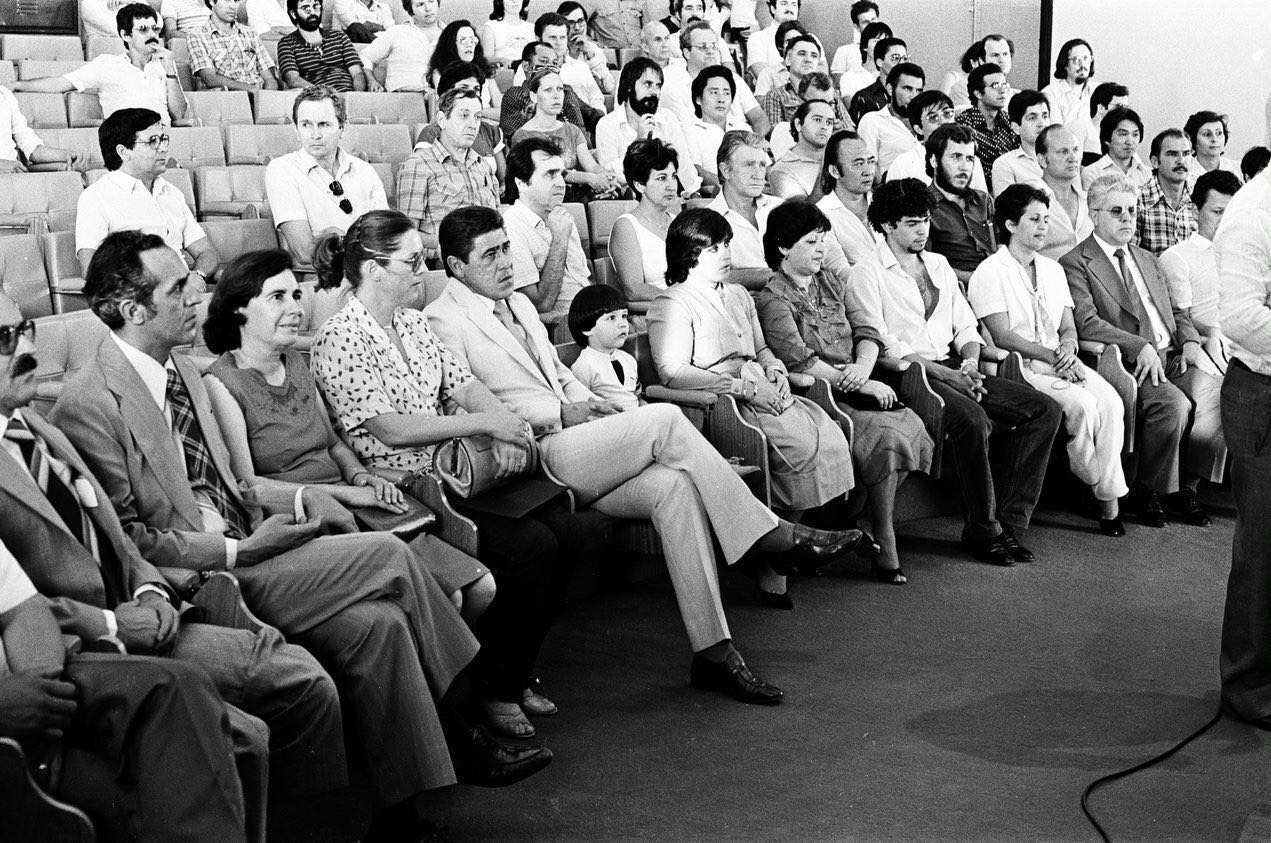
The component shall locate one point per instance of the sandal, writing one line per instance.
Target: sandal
(533, 702)
(892, 576)
(506, 719)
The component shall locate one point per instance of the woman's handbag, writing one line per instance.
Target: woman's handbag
(468, 466)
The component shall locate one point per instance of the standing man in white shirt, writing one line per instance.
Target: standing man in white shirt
(134, 194)
(888, 131)
(144, 77)
(637, 115)
(700, 47)
(850, 167)
(1029, 114)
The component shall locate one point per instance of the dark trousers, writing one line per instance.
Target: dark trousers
(532, 559)
(1002, 486)
(1245, 663)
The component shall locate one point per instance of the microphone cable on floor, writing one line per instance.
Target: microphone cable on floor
(1129, 771)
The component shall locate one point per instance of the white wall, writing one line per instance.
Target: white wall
(1179, 57)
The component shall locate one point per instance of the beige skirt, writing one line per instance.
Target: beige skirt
(808, 455)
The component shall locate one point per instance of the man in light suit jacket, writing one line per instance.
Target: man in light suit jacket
(645, 463)
(1178, 384)
(114, 591)
(392, 639)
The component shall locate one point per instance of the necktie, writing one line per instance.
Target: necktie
(617, 370)
(504, 314)
(200, 471)
(1140, 308)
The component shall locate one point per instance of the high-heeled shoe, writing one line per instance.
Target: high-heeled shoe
(892, 576)
(534, 703)
(773, 600)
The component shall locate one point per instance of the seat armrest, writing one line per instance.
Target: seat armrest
(686, 397)
(183, 581)
(220, 602)
(1090, 347)
(892, 364)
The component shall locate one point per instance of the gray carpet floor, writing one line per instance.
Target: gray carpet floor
(974, 703)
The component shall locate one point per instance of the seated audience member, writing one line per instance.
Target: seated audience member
(1190, 268)
(1070, 223)
(362, 20)
(269, 18)
(547, 253)
(705, 335)
(713, 93)
(489, 141)
(135, 195)
(1120, 133)
(518, 106)
(158, 725)
(1166, 213)
(1121, 297)
(815, 86)
(913, 298)
(224, 54)
(649, 462)
(1028, 113)
(310, 55)
(553, 30)
(798, 172)
(743, 175)
(360, 602)
(956, 81)
(700, 48)
(598, 323)
(850, 167)
(580, 50)
(398, 57)
(961, 216)
(867, 74)
(925, 113)
(145, 76)
(16, 135)
(800, 55)
(1105, 97)
(887, 131)
(848, 57)
(615, 24)
(637, 243)
(1000, 50)
(97, 17)
(987, 116)
(319, 187)
(765, 48)
(888, 52)
(638, 115)
(585, 177)
(504, 36)
(1069, 95)
(1022, 297)
(183, 17)
(806, 324)
(1254, 161)
(458, 42)
(447, 173)
(100, 585)
(1207, 131)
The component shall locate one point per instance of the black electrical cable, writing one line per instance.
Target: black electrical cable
(1111, 777)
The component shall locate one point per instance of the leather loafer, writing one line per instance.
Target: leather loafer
(1183, 506)
(991, 550)
(1150, 512)
(732, 677)
(814, 549)
(1017, 551)
(486, 762)
(1113, 527)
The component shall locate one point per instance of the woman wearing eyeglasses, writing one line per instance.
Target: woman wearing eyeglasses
(459, 42)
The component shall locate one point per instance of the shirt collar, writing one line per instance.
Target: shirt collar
(1109, 249)
(1201, 242)
(153, 373)
(343, 162)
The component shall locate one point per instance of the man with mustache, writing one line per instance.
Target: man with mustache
(145, 76)
(637, 115)
(962, 217)
(315, 56)
(1167, 214)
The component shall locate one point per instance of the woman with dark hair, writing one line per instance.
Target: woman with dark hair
(637, 242)
(804, 318)
(459, 42)
(1207, 130)
(504, 36)
(385, 376)
(1023, 299)
(584, 177)
(705, 335)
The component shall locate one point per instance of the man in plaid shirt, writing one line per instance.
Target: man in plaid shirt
(986, 118)
(226, 55)
(1167, 214)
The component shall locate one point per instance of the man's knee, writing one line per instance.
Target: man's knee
(1166, 406)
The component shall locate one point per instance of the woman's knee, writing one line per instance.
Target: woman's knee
(478, 596)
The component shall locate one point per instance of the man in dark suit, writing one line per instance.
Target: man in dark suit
(391, 638)
(142, 745)
(1121, 298)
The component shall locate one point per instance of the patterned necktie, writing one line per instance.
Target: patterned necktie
(56, 480)
(1146, 330)
(200, 470)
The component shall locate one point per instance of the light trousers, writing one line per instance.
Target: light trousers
(1094, 418)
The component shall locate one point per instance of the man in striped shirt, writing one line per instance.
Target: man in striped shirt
(315, 56)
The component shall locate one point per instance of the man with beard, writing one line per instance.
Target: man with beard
(927, 111)
(315, 56)
(986, 117)
(888, 131)
(798, 172)
(637, 115)
(145, 76)
(1069, 95)
(1167, 214)
(914, 296)
(961, 216)
(888, 52)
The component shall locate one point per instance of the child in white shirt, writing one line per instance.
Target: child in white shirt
(598, 323)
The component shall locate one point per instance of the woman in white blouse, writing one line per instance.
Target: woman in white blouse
(1022, 297)
(505, 36)
(637, 242)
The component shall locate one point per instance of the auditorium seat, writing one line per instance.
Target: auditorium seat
(83, 109)
(23, 276)
(179, 178)
(626, 54)
(388, 175)
(36, 202)
(195, 147)
(259, 144)
(231, 191)
(234, 237)
(579, 212)
(273, 107)
(43, 47)
(83, 141)
(404, 108)
(8, 73)
(218, 108)
(43, 111)
(601, 214)
(30, 813)
(180, 47)
(103, 45)
(503, 78)
(66, 279)
(378, 143)
(39, 68)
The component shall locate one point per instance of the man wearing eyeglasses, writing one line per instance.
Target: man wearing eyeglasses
(145, 76)
(134, 194)
(700, 47)
(582, 65)
(927, 112)
(1122, 298)
(987, 116)
(319, 187)
(888, 52)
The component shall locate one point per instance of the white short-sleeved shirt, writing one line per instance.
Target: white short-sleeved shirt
(1000, 284)
(703, 144)
(887, 135)
(299, 190)
(121, 84)
(1139, 173)
(509, 37)
(847, 57)
(577, 74)
(677, 98)
(189, 14)
(15, 586)
(1015, 167)
(746, 247)
(98, 16)
(1242, 247)
(348, 12)
(404, 50)
(856, 238)
(264, 15)
(531, 239)
(117, 202)
(856, 80)
(15, 132)
(1191, 271)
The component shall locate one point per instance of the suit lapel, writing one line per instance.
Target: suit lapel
(485, 320)
(17, 485)
(1102, 270)
(537, 336)
(1156, 288)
